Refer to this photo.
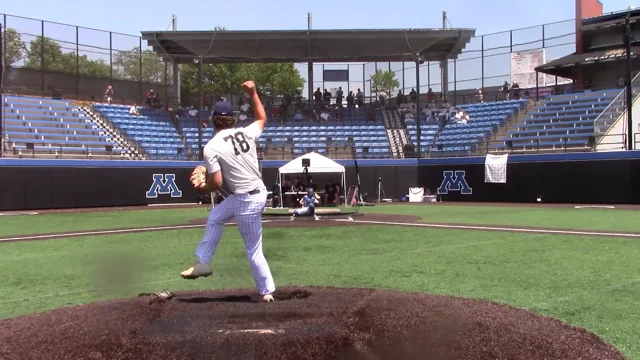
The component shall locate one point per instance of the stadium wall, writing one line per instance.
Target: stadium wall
(586, 178)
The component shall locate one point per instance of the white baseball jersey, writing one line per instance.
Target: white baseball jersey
(233, 151)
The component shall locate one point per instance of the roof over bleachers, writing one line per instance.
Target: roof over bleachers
(566, 66)
(264, 46)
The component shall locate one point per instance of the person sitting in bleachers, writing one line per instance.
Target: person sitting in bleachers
(462, 117)
(445, 103)
(408, 115)
(298, 116)
(325, 115)
(5, 143)
(382, 97)
(193, 112)
(133, 110)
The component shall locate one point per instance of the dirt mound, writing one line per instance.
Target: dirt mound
(304, 323)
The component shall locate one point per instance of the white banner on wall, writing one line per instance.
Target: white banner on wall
(523, 69)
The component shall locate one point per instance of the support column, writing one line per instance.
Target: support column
(175, 68)
(310, 63)
(200, 110)
(444, 65)
(418, 149)
(628, 79)
(310, 76)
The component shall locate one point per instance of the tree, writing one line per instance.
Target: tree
(127, 63)
(278, 79)
(384, 81)
(15, 49)
(57, 61)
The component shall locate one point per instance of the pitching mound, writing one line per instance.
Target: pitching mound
(304, 323)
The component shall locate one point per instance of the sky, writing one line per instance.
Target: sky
(487, 17)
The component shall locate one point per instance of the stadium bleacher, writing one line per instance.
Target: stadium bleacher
(53, 127)
(151, 129)
(484, 120)
(566, 120)
(368, 137)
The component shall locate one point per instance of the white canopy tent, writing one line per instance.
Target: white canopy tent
(318, 164)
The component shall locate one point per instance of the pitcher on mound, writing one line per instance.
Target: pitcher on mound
(231, 157)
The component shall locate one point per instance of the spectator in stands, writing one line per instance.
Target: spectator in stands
(382, 97)
(413, 95)
(350, 99)
(505, 90)
(155, 101)
(445, 103)
(133, 110)
(339, 96)
(108, 94)
(298, 116)
(326, 97)
(403, 108)
(193, 112)
(431, 97)
(243, 117)
(359, 98)
(408, 115)
(5, 142)
(317, 96)
(400, 99)
(324, 115)
(149, 98)
(480, 96)
(244, 107)
(515, 88)
(427, 111)
(462, 116)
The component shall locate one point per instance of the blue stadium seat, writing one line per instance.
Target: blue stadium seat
(53, 127)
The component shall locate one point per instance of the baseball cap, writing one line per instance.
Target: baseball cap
(223, 108)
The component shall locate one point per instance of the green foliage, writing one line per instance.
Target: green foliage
(384, 81)
(57, 61)
(127, 64)
(14, 47)
(224, 79)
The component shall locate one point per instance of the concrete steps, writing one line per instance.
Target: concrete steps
(132, 150)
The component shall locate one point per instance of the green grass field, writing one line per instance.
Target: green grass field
(591, 282)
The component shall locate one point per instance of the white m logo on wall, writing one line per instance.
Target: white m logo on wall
(454, 181)
(164, 184)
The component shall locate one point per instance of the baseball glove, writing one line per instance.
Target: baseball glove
(199, 178)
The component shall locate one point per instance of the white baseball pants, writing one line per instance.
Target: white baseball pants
(247, 211)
